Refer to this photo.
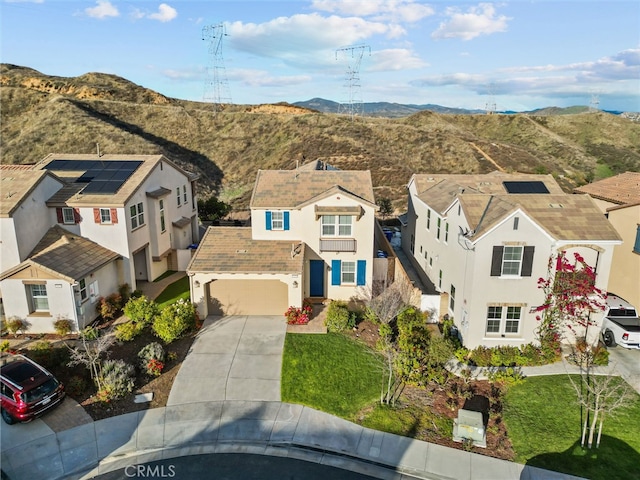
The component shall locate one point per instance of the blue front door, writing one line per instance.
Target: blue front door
(316, 278)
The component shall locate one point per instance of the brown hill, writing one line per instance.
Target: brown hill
(43, 114)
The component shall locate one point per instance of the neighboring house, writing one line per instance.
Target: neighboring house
(140, 208)
(313, 235)
(618, 198)
(485, 240)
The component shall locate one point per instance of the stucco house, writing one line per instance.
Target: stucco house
(75, 227)
(312, 235)
(618, 197)
(485, 240)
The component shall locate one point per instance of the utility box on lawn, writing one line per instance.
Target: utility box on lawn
(470, 426)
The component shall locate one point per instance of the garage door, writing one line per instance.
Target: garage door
(248, 297)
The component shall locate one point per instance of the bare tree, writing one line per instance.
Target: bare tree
(94, 347)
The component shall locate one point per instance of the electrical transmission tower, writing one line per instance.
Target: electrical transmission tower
(490, 107)
(216, 87)
(353, 55)
(595, 103)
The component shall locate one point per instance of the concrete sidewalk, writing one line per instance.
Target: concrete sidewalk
(232, 358)
(267, 428)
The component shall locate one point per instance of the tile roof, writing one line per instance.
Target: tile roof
(67, 254)
(15, 185)
(621, 189)
(72, 195)
(293, 188)
(232, 250)
(485, 203)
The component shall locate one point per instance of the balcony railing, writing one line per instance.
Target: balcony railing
(338, 245)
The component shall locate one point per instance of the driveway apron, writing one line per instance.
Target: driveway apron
(232, 358)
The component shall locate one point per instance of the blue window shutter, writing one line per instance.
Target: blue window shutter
(636, 245)
(336, 272)
(268, 217)
(286, 220)
(361, 272)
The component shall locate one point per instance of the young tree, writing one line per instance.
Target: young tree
(213, 209)
(94, 347)
(386, 207)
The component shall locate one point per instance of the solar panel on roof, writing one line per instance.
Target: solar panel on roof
(102, 176)
(535, 186)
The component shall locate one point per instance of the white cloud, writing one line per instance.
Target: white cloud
(263, 78)
(479, 20)
(393, 10)
(102, 10)
(396, 59)
(165, 13)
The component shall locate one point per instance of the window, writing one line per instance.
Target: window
(440, 280)
(342, 224)
(494, 315)
(83, 289)
(163, 226)
(516, 221)
(39, 300)
(105, 215)
(511, 324)
(413, 243)
(512, 261)
(636, 245)
(428, 219)
(452, 298)
(184, 193)
(137, 215)
(277, 221)
(446, 232)
(178, 197)
(68, 217)
(438, 229)
(348, 272)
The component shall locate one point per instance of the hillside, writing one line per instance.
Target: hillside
(43, 114)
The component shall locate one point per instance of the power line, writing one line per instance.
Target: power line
(216, 87)
(354, 105)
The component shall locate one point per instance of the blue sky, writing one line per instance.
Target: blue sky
(519, 55)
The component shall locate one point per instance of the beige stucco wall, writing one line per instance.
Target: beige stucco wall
(624, 279)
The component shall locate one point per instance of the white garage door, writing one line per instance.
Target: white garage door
(247, 297)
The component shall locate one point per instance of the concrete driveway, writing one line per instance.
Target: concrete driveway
(233, 358)
(627, 362)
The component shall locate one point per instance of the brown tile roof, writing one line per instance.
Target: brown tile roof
(231, 250)
(15, 185)
(293, 188)
(620, 189)
(67, 254)
(72, 197)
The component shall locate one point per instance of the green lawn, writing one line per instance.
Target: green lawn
(331, 372)
(543, 421)
(174, 292)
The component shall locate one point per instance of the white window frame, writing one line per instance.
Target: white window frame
(178, 197)
(82, 285)
(277, 220)
(494, 314)
(446, 232)
(68, 216)
(163, 224)
(184, 194)
(348, 273)
(505, 320)
(39, 300)
(105, 215)
(438, 225)
(509, 261)
(428, 219)
(136, 213)
(452, 298)
(337, 225)
(512, 320)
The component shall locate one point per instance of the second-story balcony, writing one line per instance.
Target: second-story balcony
(338, 245)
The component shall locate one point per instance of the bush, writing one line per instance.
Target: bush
(152, 359)
(175, 320)
(89, 333)
(339, 318)
(125, 332)
(63, 326)
(299, 316)
(116, 380)
(505, 376)
(4, 346)
(76, 385)
(15, 325)
(141, 310)
(109, 307)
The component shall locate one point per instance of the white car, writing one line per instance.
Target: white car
(620, 325)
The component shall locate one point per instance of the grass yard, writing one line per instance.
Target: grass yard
(174, 292)
(331, 372)
(543, 421)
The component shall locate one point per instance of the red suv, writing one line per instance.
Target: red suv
(28, 390)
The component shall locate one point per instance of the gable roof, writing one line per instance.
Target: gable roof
(293, 188)
(16, 183)
(72, 194)
(621, 189)
(64, 253)
(232, 250)
(486, 202)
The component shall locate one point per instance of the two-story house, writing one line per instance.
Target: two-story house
(312, 235)
(618, 197)
(485, 240)
(75, 227)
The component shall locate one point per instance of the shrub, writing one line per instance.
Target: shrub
(76, 385)
(299, 316)
(339, 318)
(63, 326)
(89, 333)
(109, 307)
(4, 346)
(45, 354)
(15, 325)
(152, 359)
(413, 345)
(505, 376)
(175, 320)
(125, 332)
(141, 310)
(116, 379)
(124, 291)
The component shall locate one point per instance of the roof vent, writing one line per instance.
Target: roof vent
(556, 205)
(242, 251)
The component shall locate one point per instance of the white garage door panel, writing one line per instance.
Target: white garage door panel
(248, 297)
